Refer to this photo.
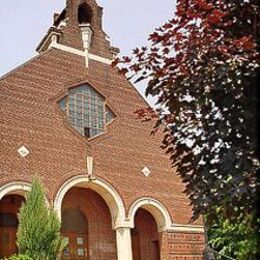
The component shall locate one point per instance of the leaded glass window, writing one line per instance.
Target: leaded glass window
(86, 110)
(109, 115)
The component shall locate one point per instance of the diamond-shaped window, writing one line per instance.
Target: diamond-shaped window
(86, 110)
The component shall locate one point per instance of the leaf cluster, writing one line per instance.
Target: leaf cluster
(20, 257)
(237, 239)
(39, 227)
(203, 66)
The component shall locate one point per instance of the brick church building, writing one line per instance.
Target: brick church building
(68, 116)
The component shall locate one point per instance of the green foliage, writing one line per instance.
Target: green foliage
(39, 229)
(20, 257)
(234, 238)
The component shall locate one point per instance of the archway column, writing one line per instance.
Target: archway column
(124, 243)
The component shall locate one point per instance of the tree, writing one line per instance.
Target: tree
(236, 239)
(203, 65)
(39, 227)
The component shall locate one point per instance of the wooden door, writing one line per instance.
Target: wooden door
(156, 249)
(135, 245)
(77, 247)
(7, 241)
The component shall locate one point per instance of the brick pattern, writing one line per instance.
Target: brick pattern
(30, 116)
(71, 34)
(185, 246)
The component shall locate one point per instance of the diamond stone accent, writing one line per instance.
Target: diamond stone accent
(146, 171)
(23, 151)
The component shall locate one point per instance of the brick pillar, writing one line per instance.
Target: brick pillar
(164, 247)
(124, 243)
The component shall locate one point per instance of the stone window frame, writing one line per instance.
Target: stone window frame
(58, 97)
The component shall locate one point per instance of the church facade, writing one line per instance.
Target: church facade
(68, 117)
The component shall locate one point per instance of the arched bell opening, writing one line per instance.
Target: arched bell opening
(85, 14)
(87, 226)
(145, 237)
(9, 209)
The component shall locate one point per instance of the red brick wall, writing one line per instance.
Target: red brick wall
(173, 245)
(185, 246)
(30, 116)
(71, 34)
(101, 237)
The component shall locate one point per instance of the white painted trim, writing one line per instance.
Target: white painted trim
(186, 228)
(67, 49)
(161, 215)
(14, 188)
(124, 244)
(156, 208)
(80, 53)
(100, 59)
(104, 189)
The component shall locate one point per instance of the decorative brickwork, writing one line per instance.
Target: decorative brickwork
(71, 34)
(30, 116)
(184, 246)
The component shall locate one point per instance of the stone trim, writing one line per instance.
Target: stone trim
(124, 244)
(104, 189)
(186, 228)
(156, 208)
(14, 188)
(80, 53)
(100, 59)
(67, 49)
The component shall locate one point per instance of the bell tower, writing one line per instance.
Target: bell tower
(79, 27)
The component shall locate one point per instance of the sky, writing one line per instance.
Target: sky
(23, 23)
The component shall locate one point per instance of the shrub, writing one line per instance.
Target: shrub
(20, 257)
(39, 227)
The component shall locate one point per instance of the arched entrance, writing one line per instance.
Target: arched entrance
(145, 237)
(148, 218)
(9, 208)
(116, 215)
(87, 226)
(104, 189)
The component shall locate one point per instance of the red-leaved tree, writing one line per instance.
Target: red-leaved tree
(203, 65)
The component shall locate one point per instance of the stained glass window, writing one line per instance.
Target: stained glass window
(86, 110)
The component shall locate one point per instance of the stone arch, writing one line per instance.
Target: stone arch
(156, 208)
(18, 188)
(103, 188)
(12, 195)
